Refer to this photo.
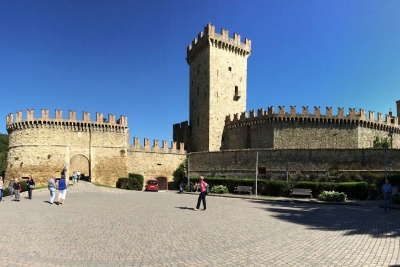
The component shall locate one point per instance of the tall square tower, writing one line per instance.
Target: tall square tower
(217, 82)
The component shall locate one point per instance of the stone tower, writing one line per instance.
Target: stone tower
(218, 77)
(398, 108)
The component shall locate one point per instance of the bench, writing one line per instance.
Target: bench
(301, 192)
(243, 188)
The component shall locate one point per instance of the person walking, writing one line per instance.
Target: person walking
(16, 189)
(74, 177)
(78, 175)
(65, 173)
(30, 184)
(10, 187)
(387, 195)
(51, 185)
(62, 190)
(1, 188)
(203, 191)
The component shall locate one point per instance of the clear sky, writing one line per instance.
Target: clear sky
(128, 57)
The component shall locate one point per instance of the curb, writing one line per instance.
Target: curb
(303, 201)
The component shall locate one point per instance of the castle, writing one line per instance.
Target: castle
(222, 138)
(99, 149)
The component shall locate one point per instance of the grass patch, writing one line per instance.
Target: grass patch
(41, 187)
(260, 196)
(103, 185)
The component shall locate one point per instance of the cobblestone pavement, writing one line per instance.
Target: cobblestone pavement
(111, 227)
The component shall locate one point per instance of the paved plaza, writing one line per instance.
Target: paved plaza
(111, 227)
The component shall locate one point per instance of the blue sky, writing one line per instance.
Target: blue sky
(128, 57)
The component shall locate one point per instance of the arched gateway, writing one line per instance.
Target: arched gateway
(80, 163)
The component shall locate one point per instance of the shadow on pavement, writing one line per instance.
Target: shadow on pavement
(351, 219)
(184, 208)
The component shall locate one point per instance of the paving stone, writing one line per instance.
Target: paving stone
(110, 227)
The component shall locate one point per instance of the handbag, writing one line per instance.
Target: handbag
(20, 188)
(31, 186)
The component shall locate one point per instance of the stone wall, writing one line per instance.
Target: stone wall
(42, 149)
(242, 163)
(153, 165)
(99, 150)
(306, 134)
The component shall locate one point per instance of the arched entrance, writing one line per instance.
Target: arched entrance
(80, 163)
(162, 183)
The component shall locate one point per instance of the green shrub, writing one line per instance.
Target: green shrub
(23, 185)
(274, 188)
(128, 183)
(396, 198)
(219, 189)
(354, 190)
(332, 196)
(139, 178)
(6, 192)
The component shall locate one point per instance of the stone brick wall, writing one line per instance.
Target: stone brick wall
(281, 134)
(153, 164)
(242, 163)
(42, 149)
(99, 150)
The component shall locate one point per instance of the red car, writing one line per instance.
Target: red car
(152, 185)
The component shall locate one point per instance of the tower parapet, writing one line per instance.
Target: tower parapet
(222, 41)
(360, 117)
(58, 121)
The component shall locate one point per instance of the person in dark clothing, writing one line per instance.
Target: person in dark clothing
(16, 189)
(30, 184)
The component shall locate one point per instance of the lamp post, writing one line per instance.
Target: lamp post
(256, 169)
(385, 148)
(188, 172)
(391, 138)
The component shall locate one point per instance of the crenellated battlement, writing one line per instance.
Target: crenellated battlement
(156, 146)
(221, 41)
(386, 122)
(45, 120)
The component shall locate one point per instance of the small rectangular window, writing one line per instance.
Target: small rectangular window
(198, 121)
(198, 90)
(229, 68)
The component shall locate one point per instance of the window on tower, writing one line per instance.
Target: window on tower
(229, 68)
(237, 94)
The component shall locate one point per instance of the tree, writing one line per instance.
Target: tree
(3, 153)
(180, 174)
(381, 142)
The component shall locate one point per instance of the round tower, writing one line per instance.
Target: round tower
(42, 146)
(218, 77)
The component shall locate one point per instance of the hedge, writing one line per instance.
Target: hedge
(139, 179)
(133, 182)
(353, 190)
(128, 183)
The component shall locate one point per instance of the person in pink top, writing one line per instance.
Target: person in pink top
(203, 192)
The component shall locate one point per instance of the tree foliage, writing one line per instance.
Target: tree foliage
(3, 153)
(381, 142)
(180, 174)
